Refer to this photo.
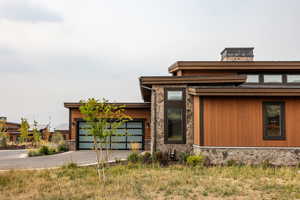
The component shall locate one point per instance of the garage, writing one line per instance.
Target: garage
(130, 133)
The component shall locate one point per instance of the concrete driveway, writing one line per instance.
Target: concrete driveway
(14, 159)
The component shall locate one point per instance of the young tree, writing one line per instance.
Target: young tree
(3, 134)
(36, 134)
(99, 115)
(24, 130)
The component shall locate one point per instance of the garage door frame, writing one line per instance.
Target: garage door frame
(133, 120)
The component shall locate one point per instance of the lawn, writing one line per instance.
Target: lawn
(152, 182)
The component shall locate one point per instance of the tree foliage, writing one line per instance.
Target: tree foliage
(99, 115)
(24, 130)
(36, 138)
(3, 133)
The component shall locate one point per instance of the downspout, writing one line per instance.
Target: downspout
(153, 148)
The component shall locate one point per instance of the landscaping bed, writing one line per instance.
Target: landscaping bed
(138, 181)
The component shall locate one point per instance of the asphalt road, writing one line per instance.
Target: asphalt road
(14, 159)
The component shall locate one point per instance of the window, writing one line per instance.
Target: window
(174, 95)
(174, 116)
(252, 78)
(275, 78)
(293, 78)
(273, 120)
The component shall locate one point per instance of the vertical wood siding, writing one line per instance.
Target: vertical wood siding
(238, 121)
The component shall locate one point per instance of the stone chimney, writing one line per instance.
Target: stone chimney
(237, 54)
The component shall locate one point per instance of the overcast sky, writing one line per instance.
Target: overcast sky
(55, 51)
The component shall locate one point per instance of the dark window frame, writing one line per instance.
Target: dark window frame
(175, 104)
(282, 120)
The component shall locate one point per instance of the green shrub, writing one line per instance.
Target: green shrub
(146, 158)
(133, 157)
(62, 148)
(182, 157)
(51, 151)
(32, 153)
(194, 160)
(44, 150)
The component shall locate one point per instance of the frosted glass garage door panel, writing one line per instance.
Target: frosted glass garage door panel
(134, 132)
(83, 125)
(118, 138)
(86, 138)
(134, 145)
(86, 145)
(134, 125)
(118, 145)
(83, 132)
(120, 132)
(134, 138)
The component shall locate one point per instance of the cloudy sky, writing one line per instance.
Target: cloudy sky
(55, 51)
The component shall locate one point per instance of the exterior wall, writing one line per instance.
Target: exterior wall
(160, 144)
(133, 113)
(277, 156)
(238, 122)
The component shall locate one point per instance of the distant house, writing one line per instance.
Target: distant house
(12, 129)
(233, 107)
(64, 130)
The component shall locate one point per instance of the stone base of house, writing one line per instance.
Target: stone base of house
(277, 156)
(147, 144)
(71, 144)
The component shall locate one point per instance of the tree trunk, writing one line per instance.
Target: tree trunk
(98, 158)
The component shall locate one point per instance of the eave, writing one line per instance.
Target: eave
(234, 65)
(149, 81)
(244, 91)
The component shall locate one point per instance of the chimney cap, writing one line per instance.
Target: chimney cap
(240, 50)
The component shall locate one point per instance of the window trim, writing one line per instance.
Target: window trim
(282, 120)
(176, 104)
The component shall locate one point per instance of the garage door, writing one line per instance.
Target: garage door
(130, 133)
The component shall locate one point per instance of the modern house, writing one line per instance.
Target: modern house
(236, 108)
(12, 129)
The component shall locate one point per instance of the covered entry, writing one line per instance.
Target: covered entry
(130, 133)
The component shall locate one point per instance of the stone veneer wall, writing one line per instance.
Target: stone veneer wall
(160, 121)
(277, 156)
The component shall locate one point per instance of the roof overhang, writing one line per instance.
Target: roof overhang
(244, 91)
(127, 105)
(146, 82)
(234, 65)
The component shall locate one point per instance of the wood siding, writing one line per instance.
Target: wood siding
(238, 121)
(143, 113)
(196, 112)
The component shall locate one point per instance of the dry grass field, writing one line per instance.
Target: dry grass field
(152, 182)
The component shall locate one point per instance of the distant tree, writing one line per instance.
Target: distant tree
(36, 138)
(24, 129)
(99, 115)
(57, 138)
(3, 133)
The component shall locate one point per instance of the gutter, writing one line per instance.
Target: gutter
(153, 145)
